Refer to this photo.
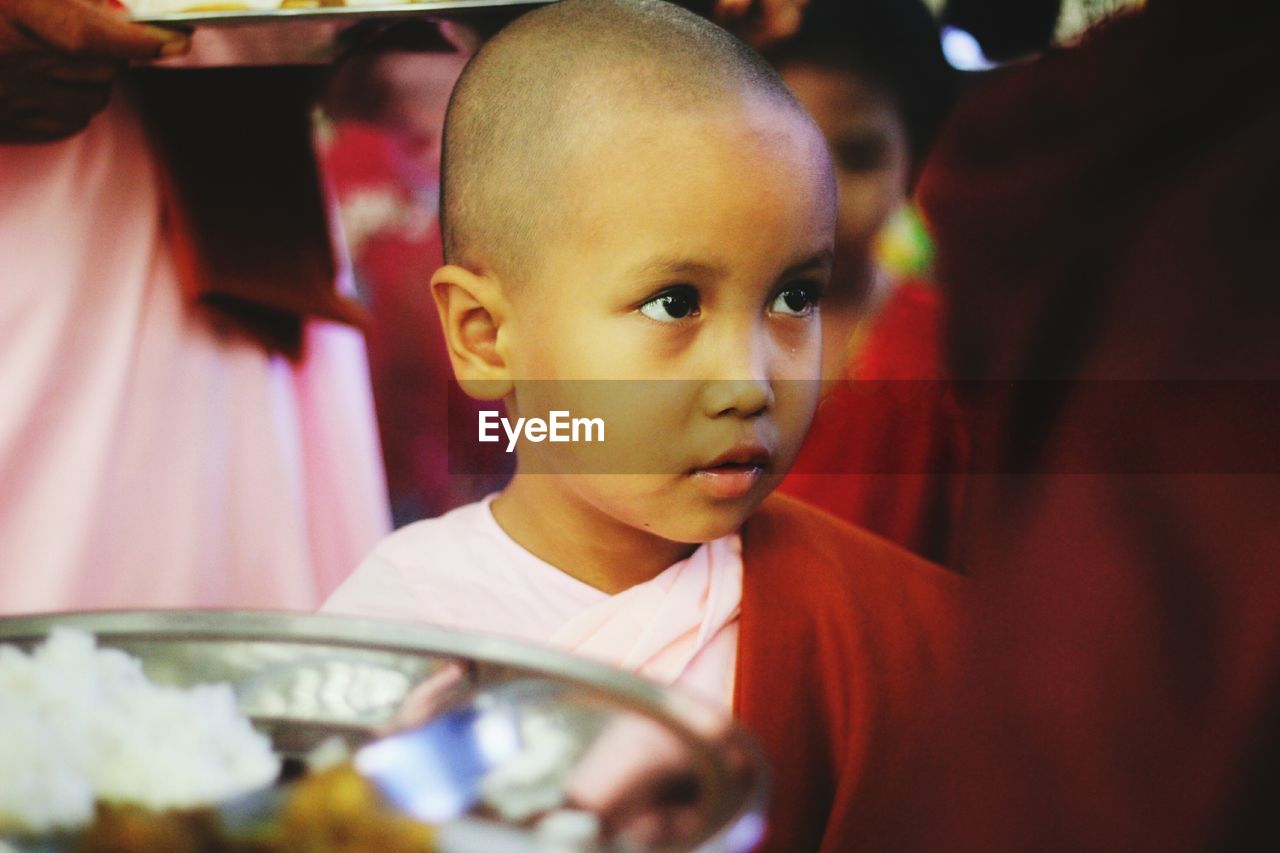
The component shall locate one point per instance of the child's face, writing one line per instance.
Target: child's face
(869, 149)
(690, 265)
(871, 157)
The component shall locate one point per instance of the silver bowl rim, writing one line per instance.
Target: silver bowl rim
(392, 636)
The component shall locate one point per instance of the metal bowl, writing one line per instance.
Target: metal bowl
(305, 679)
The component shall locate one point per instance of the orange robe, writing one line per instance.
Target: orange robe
(888, 448)
(844, 640)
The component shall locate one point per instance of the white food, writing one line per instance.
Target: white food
(79, 724)
(569, 831)
(530, 780)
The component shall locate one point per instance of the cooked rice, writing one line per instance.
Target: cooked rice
(79, 724)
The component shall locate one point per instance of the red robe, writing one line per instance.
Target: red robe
(1106, 222)
(888, 448)
(844, 641)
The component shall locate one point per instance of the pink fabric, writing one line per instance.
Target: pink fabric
(659, 627)
(149, 458)
(463, 571)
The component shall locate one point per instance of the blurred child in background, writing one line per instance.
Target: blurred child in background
(382, 154)
(887, 448)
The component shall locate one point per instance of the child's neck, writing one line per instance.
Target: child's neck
(578, 539)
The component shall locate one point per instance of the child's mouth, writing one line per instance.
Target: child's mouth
(734, 474)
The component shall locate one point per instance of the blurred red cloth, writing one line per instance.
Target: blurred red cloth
(843, 646)
(388, 196)
(1108, 214)
(887, 450)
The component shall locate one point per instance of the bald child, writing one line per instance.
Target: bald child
(638, 223)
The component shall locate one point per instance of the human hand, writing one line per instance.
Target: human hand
(431, 696)
(643, 779)
(58, 59)
(760, 23)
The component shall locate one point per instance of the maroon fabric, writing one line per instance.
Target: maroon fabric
(244, 206)
(1104, 214)
(888, 448)
(844, 640)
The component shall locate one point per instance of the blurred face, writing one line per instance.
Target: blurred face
(868, 148)
(868, 145)
(417, 87)
(690, 265)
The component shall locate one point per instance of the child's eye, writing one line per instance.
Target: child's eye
(864, 151)
(797, 300)
(673, 304)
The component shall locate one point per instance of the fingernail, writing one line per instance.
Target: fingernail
(178, 46)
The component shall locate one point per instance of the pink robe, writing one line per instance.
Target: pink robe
(462, 571)
(149, 455)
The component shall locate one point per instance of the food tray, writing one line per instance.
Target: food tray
(305, 679)
(317, 36)
(341, 14)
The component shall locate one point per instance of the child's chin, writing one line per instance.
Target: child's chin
(711, 523)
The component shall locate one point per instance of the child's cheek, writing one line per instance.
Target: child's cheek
(635, 426)
(796, 402)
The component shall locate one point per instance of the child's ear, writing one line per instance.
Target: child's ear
(472, 309)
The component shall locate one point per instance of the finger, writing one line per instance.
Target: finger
(26, 135)
(41, 98)
(731, 10)
(67, 69)
(427, 699)
(81, 102)
(779, 24)
(26, 128)
(84, 29)
(15, 43)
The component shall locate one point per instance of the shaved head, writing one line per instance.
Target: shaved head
(546, 88)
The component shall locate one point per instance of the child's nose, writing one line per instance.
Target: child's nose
(743, 398)
(740, 383)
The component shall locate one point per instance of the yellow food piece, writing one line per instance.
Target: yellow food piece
(339, 810)
(241, 7)
(334, 811)
(126, 829)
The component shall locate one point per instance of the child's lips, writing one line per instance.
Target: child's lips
(733, 474)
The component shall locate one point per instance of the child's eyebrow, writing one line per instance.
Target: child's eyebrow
(667, 268)
(820, 261)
